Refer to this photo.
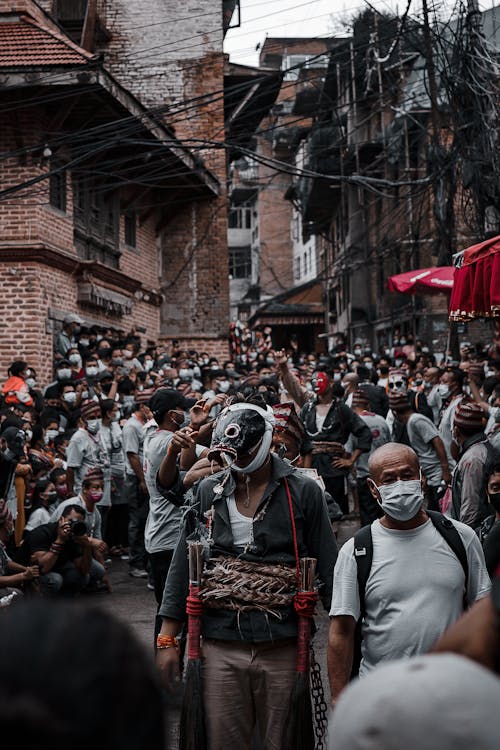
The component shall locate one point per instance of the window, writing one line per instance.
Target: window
(297, 62)
(240, 217)
(240, 262)
(57, 184)
(130, 222)
(96, 215)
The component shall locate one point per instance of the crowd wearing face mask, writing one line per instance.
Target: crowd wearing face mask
(132, 451)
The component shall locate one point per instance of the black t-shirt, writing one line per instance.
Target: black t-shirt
(40, 539)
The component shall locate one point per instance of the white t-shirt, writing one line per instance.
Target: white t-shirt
(241, 525)
(414, 590)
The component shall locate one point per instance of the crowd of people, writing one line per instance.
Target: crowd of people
(139, 453)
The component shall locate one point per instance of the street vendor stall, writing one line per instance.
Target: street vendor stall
(476, 289)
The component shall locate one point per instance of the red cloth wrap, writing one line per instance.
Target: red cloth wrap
(304, 603)
(194, 609)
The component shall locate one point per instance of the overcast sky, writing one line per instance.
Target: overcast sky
(295, 18)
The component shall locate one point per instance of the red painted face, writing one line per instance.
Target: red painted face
(320, 383)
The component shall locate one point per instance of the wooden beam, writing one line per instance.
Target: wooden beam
(89, 26)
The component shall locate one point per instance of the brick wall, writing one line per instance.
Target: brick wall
(184, 68)
(35, 291)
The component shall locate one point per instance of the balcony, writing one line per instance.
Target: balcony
(325, 151)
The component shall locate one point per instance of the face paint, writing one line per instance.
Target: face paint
(320, 383)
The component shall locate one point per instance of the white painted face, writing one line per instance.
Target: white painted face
(397, 384)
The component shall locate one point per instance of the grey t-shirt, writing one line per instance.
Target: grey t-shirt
(414, 590)
(162, 524)
(133, 441)
(421, 433)
(381, 434)
(84, 452)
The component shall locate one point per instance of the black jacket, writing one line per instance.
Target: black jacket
(340, 422)
(273, 542)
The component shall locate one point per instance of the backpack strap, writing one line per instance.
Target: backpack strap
(363, 554)
(449, 532)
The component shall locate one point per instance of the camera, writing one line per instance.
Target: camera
(78, 528)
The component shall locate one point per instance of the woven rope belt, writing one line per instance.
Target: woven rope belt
(231, 583)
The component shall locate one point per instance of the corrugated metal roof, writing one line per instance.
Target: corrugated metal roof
(25, 43)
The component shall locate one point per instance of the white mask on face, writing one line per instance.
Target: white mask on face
(93, 426)
(148, 365)
(64, 374)
(92, 371)
(30, 382)
(70, 397)
(224, 386)
(402, 499)
(75, 359)
(443, 390)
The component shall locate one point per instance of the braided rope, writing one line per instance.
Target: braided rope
(231, 583)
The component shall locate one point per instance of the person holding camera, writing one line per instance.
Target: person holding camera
(62, 553)
(90, 495)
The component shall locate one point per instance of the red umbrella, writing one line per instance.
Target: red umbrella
(439, 280)
(424, 280)
(476, 292)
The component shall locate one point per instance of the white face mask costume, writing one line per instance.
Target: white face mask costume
(243, 430)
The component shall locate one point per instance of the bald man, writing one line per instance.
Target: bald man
(416, 584)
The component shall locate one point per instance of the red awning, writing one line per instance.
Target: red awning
(423, 281)
(476, 292)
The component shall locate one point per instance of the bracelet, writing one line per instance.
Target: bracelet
(167, 641)
(55, 548)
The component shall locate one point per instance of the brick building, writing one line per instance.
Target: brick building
(112, 200)
(280, 287)
(374, 121)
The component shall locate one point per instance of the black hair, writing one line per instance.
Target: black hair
(52, 694)
(106, 405)
(17, 367)
(495, 469)
(458, 376)
(73, 506)
(56, 473)
(40, 487)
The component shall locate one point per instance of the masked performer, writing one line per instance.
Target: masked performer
(256, 519)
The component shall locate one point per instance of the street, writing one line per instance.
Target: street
(132, 602)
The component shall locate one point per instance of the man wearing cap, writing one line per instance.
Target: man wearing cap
(424, 438)
(398, 383)
(162, 525)
(64, 340)
(256, 517)
(289, 442)
(136, 490)
(475, 455)
(85, 449)
(369, 509)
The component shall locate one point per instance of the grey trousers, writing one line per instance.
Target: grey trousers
(247, 685)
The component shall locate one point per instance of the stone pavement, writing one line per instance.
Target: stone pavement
(133, 603)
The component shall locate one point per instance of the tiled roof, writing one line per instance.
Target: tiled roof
(25, 43)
